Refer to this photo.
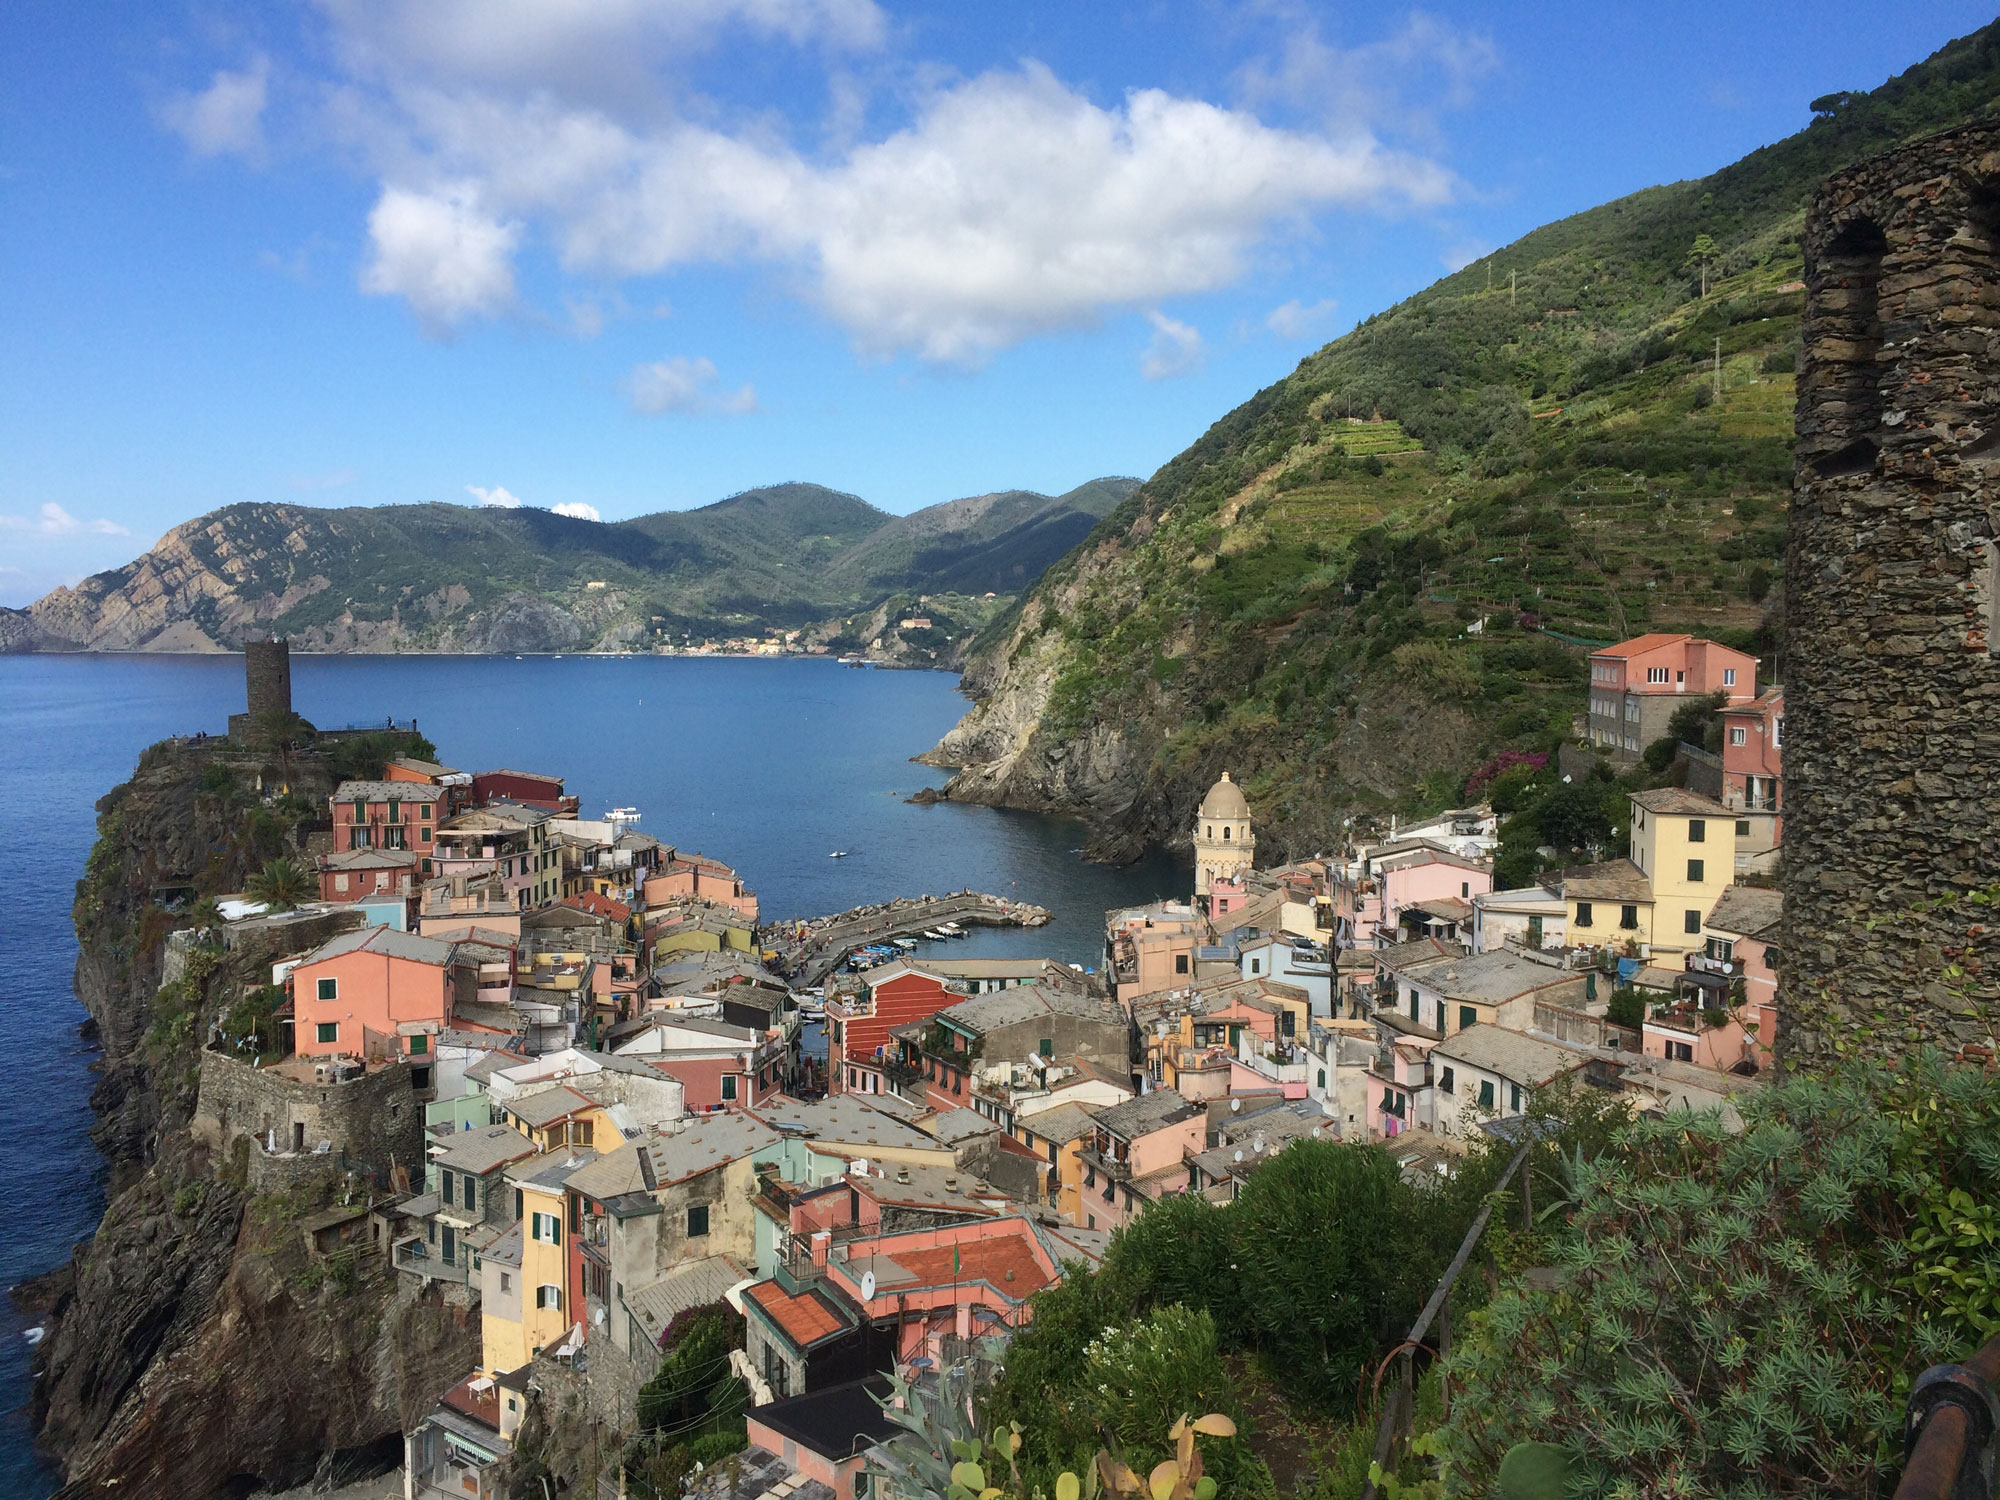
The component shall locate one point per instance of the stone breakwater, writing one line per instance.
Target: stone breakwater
(1893, 687)
(810, 951)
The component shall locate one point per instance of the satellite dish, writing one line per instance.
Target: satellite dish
(1235, 1105)
(1239, 1155)
(867, 1286)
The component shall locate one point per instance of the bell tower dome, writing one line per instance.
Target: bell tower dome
(1224, 846)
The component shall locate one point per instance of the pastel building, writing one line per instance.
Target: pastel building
(378, 993)
(400, 815)
(1636, 685)
(1138, 1153)
(1753, 775)
(1224, 845)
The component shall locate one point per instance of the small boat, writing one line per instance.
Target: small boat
(934, 935)
(906, 944)
(838, 854)
(951, 929)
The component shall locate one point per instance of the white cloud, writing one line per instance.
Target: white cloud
(498, 498)
(227, 117)
(1175, 350)
(1459, 256)
(1296, 320)
(1425, 65)
(685, 385)
(1006, 205)
(576, 510)
(53, 520)
(440, 252)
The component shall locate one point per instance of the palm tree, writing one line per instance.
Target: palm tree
(281, 885)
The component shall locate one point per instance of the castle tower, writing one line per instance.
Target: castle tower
(267, 683)
(1223, 842)
(1892, 742)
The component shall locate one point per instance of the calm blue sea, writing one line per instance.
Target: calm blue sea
(770, 765)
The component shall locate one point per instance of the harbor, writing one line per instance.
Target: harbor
(806, 953)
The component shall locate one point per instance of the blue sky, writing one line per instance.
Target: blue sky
(632, 255)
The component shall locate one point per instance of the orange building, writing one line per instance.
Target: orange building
(697, 875)
(1636, 685)
(377, 992)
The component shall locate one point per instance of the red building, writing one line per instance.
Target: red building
(387, 815)
(368, 875)
(705, 879)
(528, 788)
(861, 1022)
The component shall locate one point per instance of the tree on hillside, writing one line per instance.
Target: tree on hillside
(1701, 252)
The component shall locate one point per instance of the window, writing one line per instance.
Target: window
(420, 1044)
(1464, 888)
(1226, 831)
(548, 1296)
(506, 1283)
(420, 1078)
(450, 1181)
(1514, 1098)
(1697, 831)
(1485, 1093)
(1739, 735)
(1743, 828)
(1180, 963)
(1656, 674)
(327, 989)
(697, 1220)
(1729, 677)
(518, 1203)
(1583, 913)
(1046, 1047)
(1256, 966)
(1467, 1016)
(728, 1085)
(1680, 1052)
(1628, 917)
(471, 1186)
(1449, 1082)
(1322, 1077)
(1692, 922)
(1413, 1006)
(327, 1031)
(546, 1228)
(1696, 871)
(1778, 730)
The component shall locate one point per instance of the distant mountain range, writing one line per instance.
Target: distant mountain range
(452, 578)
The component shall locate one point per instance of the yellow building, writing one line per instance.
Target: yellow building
(1683, 857)
(524, 1302)
(561, 1117)
(1059, 1135)
(1685, 846)
(1223, 843)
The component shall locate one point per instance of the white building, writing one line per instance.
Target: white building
(1531, 917)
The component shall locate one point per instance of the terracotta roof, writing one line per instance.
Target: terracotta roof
(1679, 802)
(481, 1405)
(600, 905)
(1640, 644)
(805, 1319)
(988, 1259)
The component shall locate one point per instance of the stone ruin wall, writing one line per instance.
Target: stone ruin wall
(1892, 739)
(374, 1122)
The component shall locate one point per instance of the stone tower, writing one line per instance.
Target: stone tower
(267, 673)
(1892, 743)
(267, 682)
(1223, 842)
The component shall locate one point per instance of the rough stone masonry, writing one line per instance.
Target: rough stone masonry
(1892, 740)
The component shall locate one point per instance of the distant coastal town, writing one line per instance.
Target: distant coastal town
(554, 1073)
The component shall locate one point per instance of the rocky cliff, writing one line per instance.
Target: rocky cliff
(194, 1349)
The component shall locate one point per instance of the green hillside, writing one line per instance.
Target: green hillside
(1385, 568)
(450, 577)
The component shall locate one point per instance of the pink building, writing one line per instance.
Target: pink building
(1636, 685)
(1373, 893)
(376, 992)
(1741, 943)
(1137, 1153)
(1753, 771)
(696, 875)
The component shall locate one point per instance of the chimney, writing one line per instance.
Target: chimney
(903, 1175)
(822, 1241)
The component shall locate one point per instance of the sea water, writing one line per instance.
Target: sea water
(769, 765)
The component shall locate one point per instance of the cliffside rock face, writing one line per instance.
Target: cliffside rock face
(193, 1348)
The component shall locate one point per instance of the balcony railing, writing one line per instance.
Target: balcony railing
(416, 1256)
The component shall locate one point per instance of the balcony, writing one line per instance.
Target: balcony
(418, 1258)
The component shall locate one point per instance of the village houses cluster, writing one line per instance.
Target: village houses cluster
(587, 1092)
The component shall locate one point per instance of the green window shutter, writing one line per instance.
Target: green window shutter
(1467, 1016)
(1485, 1093)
